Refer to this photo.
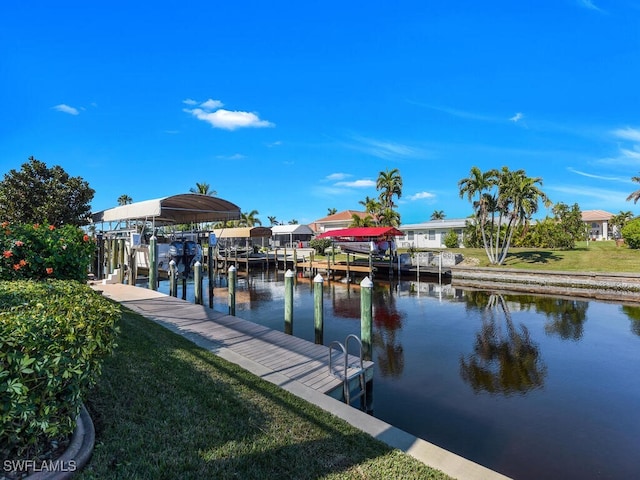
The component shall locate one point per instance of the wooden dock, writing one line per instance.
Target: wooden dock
(295, 358)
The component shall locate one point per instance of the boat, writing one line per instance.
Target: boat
(376, 241)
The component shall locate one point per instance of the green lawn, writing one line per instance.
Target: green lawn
(594, 257)
(165, 408)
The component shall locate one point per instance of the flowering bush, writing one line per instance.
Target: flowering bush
(38, 252)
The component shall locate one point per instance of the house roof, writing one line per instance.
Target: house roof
(362, 232)
(291, 229)
(182, 208)
(435, 224)
(595, 215)
(342, 216)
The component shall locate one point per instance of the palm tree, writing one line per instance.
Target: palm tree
(331, 211)
(125, 200)
(437, 215)
(203, 189)
(272, 220)
(389, 218)
(358, 221)
(372, 206)
(635, 196)
(249, 219)
(390, 184)
(293, 222)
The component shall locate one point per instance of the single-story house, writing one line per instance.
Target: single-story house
(430, 234)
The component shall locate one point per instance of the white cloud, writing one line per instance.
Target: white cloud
(383, 149)
(517, 117)
(338, 176)
(589, 5)
(189, 101)
(357, 184)
(217, 117)
(628, 133)
(235, 156)
(422, 195)
(598, 177)
(66, 109)
(212, 104)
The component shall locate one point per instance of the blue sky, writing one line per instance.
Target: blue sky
(292, 108)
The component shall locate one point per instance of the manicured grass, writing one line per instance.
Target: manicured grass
(594, 257)
(165, 408)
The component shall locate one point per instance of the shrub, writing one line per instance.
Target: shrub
(320, 245)
(53, 337)
(33, 251)
(451, 240)
(631, 233)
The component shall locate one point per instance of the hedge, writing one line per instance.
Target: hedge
(53, 337)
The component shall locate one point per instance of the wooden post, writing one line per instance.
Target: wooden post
(318, 312)
(153, 263)
(311, 265)
(184, 286)
(173, 279)
(121, 246)
(288, 302)
(113, 260)
(232, 281)
(348, 271)
(295, 259)
(210, 271)
(284, 267)
(197, 283)
(366, 316)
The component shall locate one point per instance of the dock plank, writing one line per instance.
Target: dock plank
(293, 357)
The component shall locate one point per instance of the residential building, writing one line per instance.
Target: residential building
(599, 224)
(430, 234)
(337, 220)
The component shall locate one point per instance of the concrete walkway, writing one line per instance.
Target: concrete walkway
(198, 324)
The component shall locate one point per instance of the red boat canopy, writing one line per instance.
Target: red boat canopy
(363, 232)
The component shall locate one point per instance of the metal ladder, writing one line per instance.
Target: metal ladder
(350, 370)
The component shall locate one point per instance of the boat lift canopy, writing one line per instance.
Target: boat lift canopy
(243, 232)
(363, 232)
(182, 208)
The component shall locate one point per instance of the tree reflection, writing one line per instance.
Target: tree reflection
(504, 362)
(567, 317)
(634, 315)
(387, 322)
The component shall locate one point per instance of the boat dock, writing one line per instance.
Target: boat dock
(273, 351)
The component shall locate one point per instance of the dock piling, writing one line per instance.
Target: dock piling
(197, 281)
(232, 281)
(318, 310)
(366, 317)
(288, 302)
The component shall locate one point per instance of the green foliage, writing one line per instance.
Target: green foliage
(53, 338)
(34, 251)
(37, 193)
(320, 245)
(631, 233)
(451, 240)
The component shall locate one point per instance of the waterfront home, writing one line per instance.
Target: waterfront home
(430, 234)
(599, 224)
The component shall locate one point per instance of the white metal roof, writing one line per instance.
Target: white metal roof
(182, 208)
(291, 229)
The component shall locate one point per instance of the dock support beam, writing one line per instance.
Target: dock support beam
(173, 279)
(232, 280)
(318, 310)
(288, 302)
(366, 317)
(197, 283)
(153, 263)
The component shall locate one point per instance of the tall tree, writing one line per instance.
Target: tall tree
(437, 215)
(635, 196)
(505, 200)
(249, 219)
(389, 184)
(125, 200)
(272, 220)
(36, 193)
(358, 221)
(203, 189)
(331, 211)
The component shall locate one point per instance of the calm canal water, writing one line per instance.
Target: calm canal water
(530, 386)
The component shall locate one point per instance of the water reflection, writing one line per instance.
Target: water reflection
(387, 321)
(634, 315)
(504, 361)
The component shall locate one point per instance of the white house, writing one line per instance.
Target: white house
(430, 234)
(290, 235)
(599, 224)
